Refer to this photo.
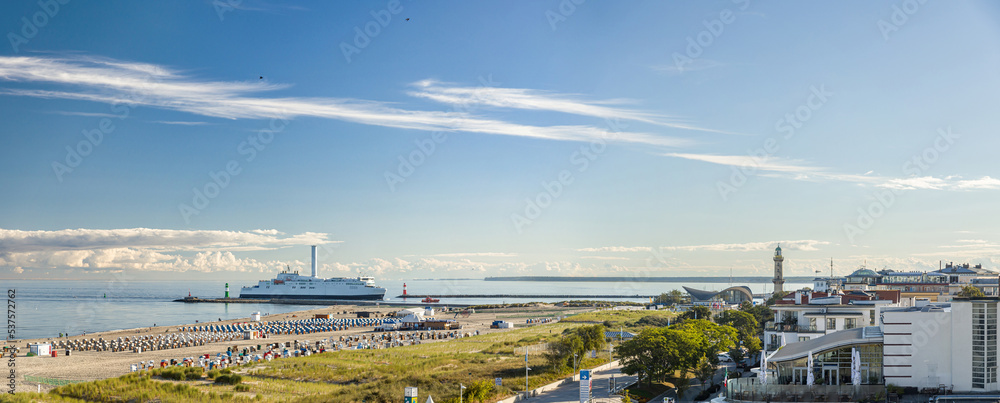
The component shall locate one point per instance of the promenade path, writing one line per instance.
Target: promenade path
(570, 393)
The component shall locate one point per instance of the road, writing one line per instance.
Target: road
(570, 393)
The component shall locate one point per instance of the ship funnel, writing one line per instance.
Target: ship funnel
(314, 261)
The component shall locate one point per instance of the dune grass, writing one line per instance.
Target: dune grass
(615, 320)
(345, 376)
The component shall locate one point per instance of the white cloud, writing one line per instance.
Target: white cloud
(749, 162)
(145, 249)
(985, 182)
(476, 254)
(804, 245)
(160, 239)
(87, 114)
(535, 100)
(617, 249)
(181, 123)
(799, 170)
(137, 259)
(604, 257)
(112, 81)
(698, 64)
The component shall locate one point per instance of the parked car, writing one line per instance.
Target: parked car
(724, 357)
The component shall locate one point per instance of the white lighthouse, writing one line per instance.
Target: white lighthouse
(779, 279)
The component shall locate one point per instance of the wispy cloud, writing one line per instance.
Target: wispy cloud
(536, 100)
(181, 123)
(800, 170)
(113, 81)
(698, 64)
(767, 164)
(617, 249)
(87, 114)
(476, 254)
(806, 245)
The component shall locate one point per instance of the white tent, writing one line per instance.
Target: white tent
(855, 367)
(763, 368)
(809, 370)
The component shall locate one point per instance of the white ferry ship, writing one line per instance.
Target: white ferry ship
(292, 285)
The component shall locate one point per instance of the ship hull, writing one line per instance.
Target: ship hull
(373, 297)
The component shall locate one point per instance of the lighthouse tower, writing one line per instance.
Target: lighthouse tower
(779, 279)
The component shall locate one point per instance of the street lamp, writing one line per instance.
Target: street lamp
(574, 363)
(460, 393)
(526, 369)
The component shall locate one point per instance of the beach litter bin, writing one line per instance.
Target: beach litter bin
(67, 353)
(54, 353)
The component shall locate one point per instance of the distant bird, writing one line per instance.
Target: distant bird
(407, 19)
(261, 77)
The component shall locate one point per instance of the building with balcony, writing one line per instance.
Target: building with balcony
(944, 347)
(806, 315)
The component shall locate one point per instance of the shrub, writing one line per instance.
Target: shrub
(242, 388)
(213, 374)
(228, 379)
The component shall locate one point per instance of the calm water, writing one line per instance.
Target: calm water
(47, 308)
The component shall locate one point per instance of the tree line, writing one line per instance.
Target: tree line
(691, 344)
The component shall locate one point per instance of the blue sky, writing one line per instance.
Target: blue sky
(540, 138)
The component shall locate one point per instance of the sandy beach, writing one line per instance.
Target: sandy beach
(93, 365)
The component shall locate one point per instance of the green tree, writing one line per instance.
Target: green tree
(714, 337)
(762, 313)
(697, 312)
(776, 296)
(970, 291)
(656, 353)
(672, 297)
(746, 326)
(577, 341)
(705, 372)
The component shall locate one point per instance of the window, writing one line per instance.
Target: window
(803, 338)
(812, 323)
(850, 323)
(831, 324)
(984, 341)
(871, 317)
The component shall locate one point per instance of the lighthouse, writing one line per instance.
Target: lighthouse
(779, 279)
(227, 290)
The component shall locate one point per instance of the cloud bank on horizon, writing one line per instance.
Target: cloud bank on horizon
(209, 251)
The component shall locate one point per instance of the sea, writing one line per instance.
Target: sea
(45, 309)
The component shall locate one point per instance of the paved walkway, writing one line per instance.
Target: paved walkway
(696, 386)
(570, 393)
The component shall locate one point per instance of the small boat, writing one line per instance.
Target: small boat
(429, 299)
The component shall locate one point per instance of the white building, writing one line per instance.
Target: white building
(40, 349)
(952, 345)
(804, 316)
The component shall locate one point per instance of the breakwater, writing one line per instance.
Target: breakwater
(640, 279)
(539, 296)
